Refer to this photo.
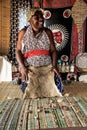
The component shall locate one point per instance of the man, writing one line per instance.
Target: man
(37, 57)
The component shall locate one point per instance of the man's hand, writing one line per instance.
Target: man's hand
(55, 69)
(24, 72)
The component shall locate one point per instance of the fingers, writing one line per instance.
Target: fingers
(56, 71)
(23, 78)
(24, 74)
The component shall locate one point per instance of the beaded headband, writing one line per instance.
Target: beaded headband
(32, 11)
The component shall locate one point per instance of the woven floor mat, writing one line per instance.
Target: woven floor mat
(43, 113)
(9, 91)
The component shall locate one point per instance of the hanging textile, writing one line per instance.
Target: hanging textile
(78, 40)
(74, 42)
(53, 3)
(81, 38)
(79, 13)
(79, 28)
(61, 26)
(85, 28)
(17, 7)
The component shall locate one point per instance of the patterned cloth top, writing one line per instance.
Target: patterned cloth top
(32, 42)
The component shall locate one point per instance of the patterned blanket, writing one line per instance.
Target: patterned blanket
(43, 113)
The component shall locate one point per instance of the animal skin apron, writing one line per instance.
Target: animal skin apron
(41, 83)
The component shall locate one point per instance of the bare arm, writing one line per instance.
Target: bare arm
(19, 55)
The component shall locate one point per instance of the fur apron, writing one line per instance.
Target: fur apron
(41, 83)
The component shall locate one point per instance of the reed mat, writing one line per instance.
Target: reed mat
(44, 114)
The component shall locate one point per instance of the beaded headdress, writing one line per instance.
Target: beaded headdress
(32, 11)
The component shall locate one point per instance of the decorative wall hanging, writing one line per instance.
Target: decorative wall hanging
(61, 28)
(78, 36)
(85, 36)
(18, 10)
(53, 3)
(79, 13)
(57, 3)
(60, 35)
(38, 3)
(78, 40)
(64, 58)
(74, 42)
(67, 13)
(47, 14)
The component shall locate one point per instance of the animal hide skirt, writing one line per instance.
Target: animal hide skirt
(41, 83)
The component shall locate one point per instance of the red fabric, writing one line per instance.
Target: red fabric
(74, 42)
(57, 3)
(35, 53)
(57, 36)
(84, 36)
(53, 3)
(81, 38)
(36, 3)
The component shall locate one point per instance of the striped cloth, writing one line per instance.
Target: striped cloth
(43, 113)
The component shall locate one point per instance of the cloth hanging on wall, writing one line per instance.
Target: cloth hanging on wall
(53, 3)
(85, 37)
(78, 40)
(79, 13)
(82, 38)
(61, 26)
(17, 12)
(74, 42)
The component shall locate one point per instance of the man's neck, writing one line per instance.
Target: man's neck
(37, 31)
